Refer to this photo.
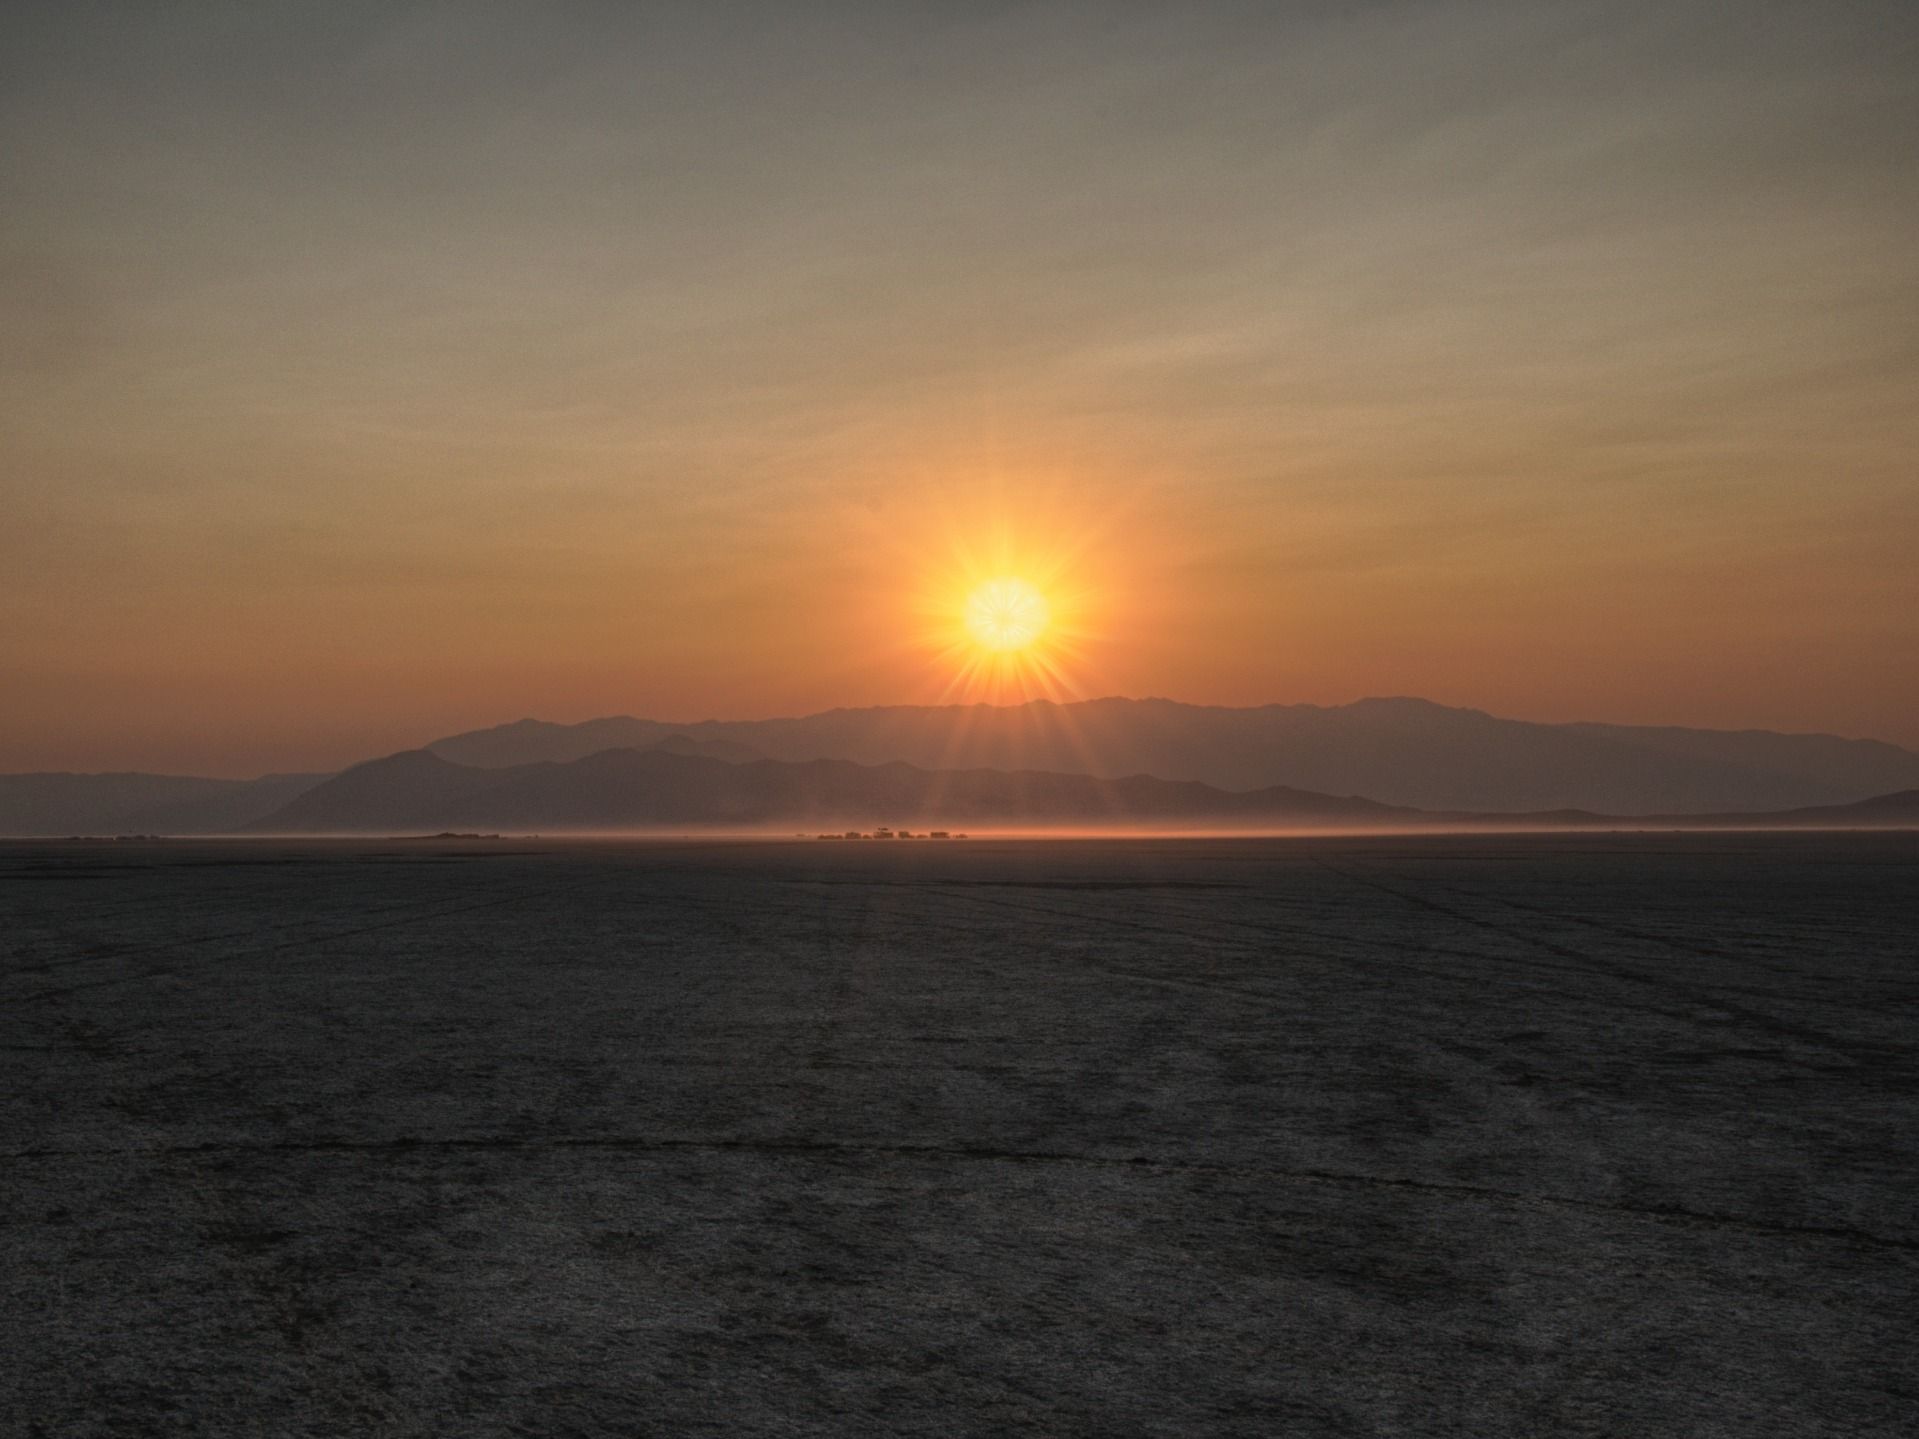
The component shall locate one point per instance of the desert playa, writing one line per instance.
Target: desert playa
(1567, 1135)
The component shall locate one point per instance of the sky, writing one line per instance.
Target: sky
(374, 372)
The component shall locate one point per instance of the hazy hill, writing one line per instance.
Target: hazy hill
(1884, 811)
(1398, 751)
(62, 804)
(383, 796)
(1405, 753)
(732, 751)
(666, 787)
(682, 784)
(530, 741)
(132, 803)
(1890, 811)
(660, 787)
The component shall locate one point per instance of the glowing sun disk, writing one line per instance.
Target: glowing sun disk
(1006, 614)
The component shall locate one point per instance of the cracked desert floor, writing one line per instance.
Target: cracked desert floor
(1597, 1135)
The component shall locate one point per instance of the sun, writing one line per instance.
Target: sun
(1011, 603)
(1006, 615)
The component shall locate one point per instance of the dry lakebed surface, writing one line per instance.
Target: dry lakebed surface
(1611, 1135)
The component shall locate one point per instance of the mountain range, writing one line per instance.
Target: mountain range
(1398, 751)
(672, 787)
(1113, 760)
(131, 803)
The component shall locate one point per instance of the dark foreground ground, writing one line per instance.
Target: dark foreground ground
(1542, 1136)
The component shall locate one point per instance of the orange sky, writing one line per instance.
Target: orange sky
(369, 376)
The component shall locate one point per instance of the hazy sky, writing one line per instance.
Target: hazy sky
(371, 372)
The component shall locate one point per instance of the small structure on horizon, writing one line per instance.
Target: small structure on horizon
(886, 832)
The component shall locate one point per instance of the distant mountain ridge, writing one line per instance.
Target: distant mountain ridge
(666, 787)
(673, 786)
(1405, 752)
(1402, 754)
(131, 803)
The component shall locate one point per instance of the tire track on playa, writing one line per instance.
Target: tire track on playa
(1269, 1000)
(1479, 975)
(1827, 1001)
(52, 927)
(255, 952)
(30, 907)
(812, 1147)
(1858, 1051)
(130, 950)
(1213, 988)
(1265, 932)
(186, 941)
(934, 889)
(1691, 948)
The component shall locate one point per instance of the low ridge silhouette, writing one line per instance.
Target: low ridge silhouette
(1397, 751)
(665, 788)
(662, 786)
(1275, 762)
